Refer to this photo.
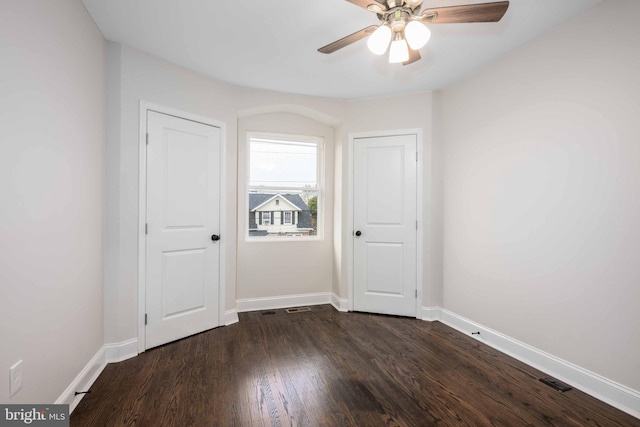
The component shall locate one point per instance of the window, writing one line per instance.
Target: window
(287, 218)
(266, 218)
(284, 186)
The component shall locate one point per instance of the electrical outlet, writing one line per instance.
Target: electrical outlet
(15, 378)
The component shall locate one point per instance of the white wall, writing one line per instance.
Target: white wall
(412, 111)
(541, 200)
(133, 77)
(271, 269)
(51, 179)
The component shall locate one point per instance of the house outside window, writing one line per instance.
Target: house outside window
(284, 186)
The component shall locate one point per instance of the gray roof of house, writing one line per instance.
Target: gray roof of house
(256, 199)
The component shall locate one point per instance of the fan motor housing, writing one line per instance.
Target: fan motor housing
(397, 18)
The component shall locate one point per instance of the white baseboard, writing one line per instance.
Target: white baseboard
(284, 301)
(230, 317)
(611, 392)
(340, 304)
(108, 353)
(83, 381)
(117, 352)
(429, 313)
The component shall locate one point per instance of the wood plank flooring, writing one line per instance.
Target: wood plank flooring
(325, 368)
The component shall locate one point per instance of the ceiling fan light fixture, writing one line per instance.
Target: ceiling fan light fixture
(403, 22)
(399, 51)
(378, 42)
(417, 34)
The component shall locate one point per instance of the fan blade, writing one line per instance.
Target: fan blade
(345, 41)
(484, 12)
(414, 56)
(376, 7)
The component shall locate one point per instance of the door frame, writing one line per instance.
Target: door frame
(145, 107)
(423, 224)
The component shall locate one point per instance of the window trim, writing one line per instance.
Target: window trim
(319, 188)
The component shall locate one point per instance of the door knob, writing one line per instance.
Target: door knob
(215, 237)
(358, 233)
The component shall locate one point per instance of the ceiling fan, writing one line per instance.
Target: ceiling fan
(403, 25)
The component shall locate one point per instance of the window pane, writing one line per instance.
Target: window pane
(283, 187)
(283, 214)
(275, 163)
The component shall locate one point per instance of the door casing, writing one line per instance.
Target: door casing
(422, 224)
(142, 208)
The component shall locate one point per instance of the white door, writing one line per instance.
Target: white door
(183, 218)
(385, 235)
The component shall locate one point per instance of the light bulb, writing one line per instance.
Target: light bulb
(399, 51)
(417, 34)
(379, 40)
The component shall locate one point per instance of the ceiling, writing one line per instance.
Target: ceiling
(273, 45)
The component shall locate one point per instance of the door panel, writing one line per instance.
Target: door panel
(385, 252)
(385, 269)
(186, 184)
(385, 182)
(183, 287)
(183, 189)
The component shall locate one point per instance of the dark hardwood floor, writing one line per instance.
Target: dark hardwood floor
(325, 368)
